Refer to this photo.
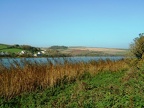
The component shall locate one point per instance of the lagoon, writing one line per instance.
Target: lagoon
(9, 61)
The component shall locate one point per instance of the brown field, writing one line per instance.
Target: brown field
(94, 51)
(98, 49)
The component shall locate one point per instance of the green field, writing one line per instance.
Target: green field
(12, 50)
(5, 48)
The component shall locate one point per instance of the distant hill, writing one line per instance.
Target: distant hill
(88, 51)
(94, 51)
(3, 46)
(17, 48)
(63, 50)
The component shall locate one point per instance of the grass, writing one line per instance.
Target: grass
(2, 46)
(82, 93)
(103, 90)
(87, 85)
(5, 48)
(12, 50)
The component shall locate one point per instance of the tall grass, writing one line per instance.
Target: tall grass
(28, 76)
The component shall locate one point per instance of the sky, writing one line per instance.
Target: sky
(91, 23)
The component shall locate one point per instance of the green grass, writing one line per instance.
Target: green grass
(2, 46)
(12, 50)
(104, 90)
(5, 48)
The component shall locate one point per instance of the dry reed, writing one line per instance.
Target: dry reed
(17, 79)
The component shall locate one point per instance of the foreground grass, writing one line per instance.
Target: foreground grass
(29, 76)
(103, 90)
(87, 85)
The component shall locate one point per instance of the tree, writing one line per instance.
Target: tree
(137, 48)
(58, 47)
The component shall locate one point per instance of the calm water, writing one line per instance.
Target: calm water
(9, 61)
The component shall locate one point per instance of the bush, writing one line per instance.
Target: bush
(137, 48)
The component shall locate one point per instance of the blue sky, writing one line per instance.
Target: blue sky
(92, 23)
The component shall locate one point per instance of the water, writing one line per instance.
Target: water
(8, 62)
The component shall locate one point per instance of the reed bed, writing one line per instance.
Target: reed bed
(28, 76)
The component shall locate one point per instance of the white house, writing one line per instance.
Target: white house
(43, 52)
(35, 55)
(22, 52)
(38, 54)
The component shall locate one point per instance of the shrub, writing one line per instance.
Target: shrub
(137, 48)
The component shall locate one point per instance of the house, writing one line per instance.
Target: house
(22, 52)
(35, 55)
(38, 54)
(43, 52)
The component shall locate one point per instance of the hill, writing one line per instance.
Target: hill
(3, 46)
(58, 51)
(85, 51)
(93, 51)
(9, 50)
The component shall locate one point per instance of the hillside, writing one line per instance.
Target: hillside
(61, 51)
(9, 49)
(3, 46)
(15, 50)
(93, 51)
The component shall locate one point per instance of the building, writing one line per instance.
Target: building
(38, 54)
(22, 53)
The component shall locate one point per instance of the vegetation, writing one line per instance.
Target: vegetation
(58, 47)
(24, 47)
(32, 79)
(88, 85)
(84, 51)
(9, 48)
(55, 53)
(106, 89)
(137, 48)
(14, 50)
(3, 46)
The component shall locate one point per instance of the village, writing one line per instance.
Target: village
(23, 53)
(37, 54)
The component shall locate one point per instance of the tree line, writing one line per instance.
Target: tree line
(25, 47)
